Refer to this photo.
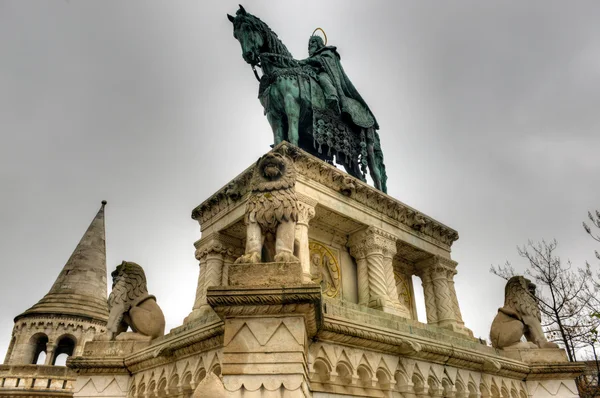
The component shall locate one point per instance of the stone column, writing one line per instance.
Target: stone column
(306, 211)
(373, 251)
(213, 253)
(50, 347)
(430, 304)
(437, 274)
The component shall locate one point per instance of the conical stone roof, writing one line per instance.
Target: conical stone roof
(80, 289)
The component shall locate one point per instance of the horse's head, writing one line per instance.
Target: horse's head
(247, 30)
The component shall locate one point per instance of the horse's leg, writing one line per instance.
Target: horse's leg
(291, 103)
(277, 127)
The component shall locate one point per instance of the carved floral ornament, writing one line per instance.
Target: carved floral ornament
(315, 169)
(325, 269)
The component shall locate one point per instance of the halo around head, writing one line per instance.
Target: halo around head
(322, 31)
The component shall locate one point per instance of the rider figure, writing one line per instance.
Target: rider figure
(340, 94)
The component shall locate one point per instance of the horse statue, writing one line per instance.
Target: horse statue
(311, 103)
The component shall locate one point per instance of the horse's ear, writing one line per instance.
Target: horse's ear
(230, 18)
(242, 10)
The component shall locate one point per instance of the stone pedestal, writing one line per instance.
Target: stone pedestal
(267, 330)
(102, 371)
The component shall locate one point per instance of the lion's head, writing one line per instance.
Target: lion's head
(519, 295)
(129, 284)
(274, 171)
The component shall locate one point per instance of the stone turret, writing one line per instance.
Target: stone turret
(73, 311)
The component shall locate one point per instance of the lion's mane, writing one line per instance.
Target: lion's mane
(272, 200)
(129, 286)
(519, 298)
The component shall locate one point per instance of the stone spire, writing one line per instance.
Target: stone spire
(80, 289)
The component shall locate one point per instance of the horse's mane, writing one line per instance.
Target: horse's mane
(275, 45)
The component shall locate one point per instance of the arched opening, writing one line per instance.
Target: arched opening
(38, 343)
(322, 372)
(64, 349)
(344, 373)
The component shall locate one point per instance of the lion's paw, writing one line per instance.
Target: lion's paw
(249, 258)
(285, 257)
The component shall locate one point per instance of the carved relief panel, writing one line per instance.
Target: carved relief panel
(405, 292)
(325, 269)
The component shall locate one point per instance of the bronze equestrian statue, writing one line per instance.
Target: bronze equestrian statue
(312, 103)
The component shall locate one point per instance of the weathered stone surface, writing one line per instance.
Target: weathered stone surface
(271, 211)
(265, 274)
(537, 355)
(131, 306)
(519, 317)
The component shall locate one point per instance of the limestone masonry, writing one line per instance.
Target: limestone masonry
(334, 316)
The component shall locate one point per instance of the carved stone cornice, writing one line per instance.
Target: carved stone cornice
(372, 240)
(225, 199)
(425, 342)
(172, 347)
(303, 299)
(308, 166)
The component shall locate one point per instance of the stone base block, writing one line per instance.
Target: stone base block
(537, 355)
(106, 349)
(265, 274)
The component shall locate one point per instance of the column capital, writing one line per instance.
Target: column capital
(216, 244)
(435, 266)
(306, 212)
(372, 240)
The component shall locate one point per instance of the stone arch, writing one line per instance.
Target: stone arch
(65, 347)
(384, 378)
(141, 389)
(484, 390)
(199, 375)
(460, 388)
(344, 372)
(161, 390)
(418, 383)
(472, 388)
(151, 393)
(216, 369)
(494, 391)
(37, 345)
(322, 370)
(401, 379)
(186, 384)
(365, 375)
(435, 387)
(132, 390)
(522, 393)
(173, 384)
(446, 387)
(504, 391)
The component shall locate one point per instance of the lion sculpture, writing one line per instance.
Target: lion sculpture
(271, 211)
(519, 317)
(130, 305)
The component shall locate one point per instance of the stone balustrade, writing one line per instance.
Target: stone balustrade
(37, 380)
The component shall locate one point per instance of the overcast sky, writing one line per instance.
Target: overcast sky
(489, 115)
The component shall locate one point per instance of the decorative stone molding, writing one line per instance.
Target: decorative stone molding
(302, 300)
(315, 169)
(267, 330)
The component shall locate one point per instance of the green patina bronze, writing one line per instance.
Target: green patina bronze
(312, 103)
